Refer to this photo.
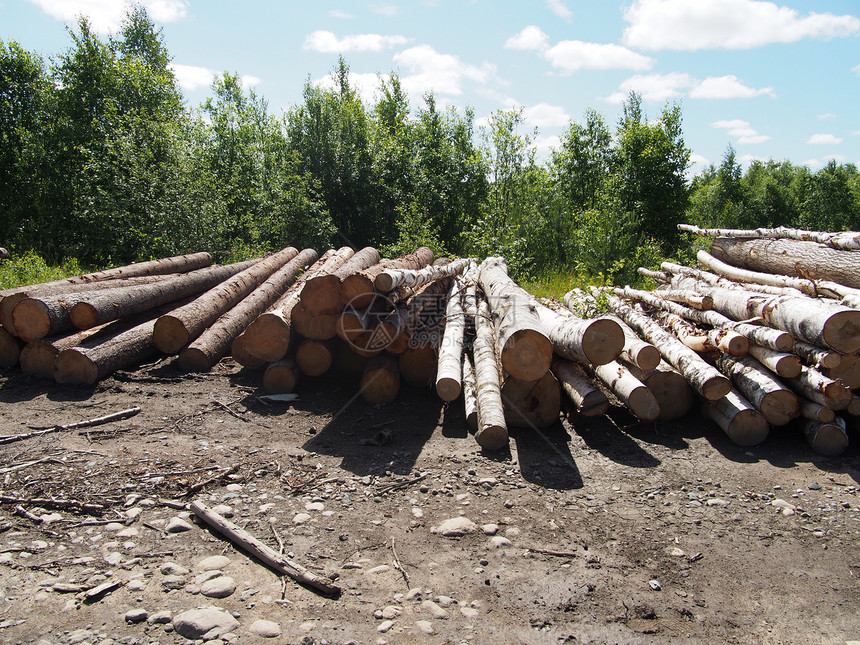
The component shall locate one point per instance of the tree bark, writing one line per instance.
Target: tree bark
(315, 357)
(629, 390)
(815, 411)
(358, 289)
(811, 385)
(268, 337)
(680, 271)
(380, 382)
(777, 403)
(39, 356)
(790, 257)
(531, 404)
(322, 294)
(781, 363)
(492, 433)
(672, 391)
(704, 378)
(449, 369)
(174, 331)
(588, 399)
(10, 350)
(390, 279)
(524, 350)
(214, 343)
(281, 377)
(847, 241)
(470, 401)
(700, 340)
(743, 424)
(596, 341)
(818, 357)
(827, 439)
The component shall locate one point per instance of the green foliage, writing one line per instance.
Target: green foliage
(31, 268)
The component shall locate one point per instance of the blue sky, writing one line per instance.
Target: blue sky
(775, 80)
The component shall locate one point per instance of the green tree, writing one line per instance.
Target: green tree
(583, 161)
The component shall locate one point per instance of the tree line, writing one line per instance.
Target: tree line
(101, 160)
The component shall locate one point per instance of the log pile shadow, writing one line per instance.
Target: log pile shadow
(545, 459)
(605, 435)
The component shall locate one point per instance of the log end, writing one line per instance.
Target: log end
(72, 367)
(194, 359)
(472, 419)
(281, 377)
(321, 295)
(492, 437)
(314, 358)
(418, 365)
(841, 331)
(646, 357)
(10, 350)
(380, 382)
(170, 334)
(789, 366)
(38, 358)
(643, 404)
(356, 290)
(383, 282)
(84, 315)
(780, 407)
(734, 344)
(7, 306)
(31, 319)
(827, 439)
(267, 338)
(527, 354)
(239, 351)
(602, 341)
(716, 388)
(448, 388)
(748, 428)
(784, 342)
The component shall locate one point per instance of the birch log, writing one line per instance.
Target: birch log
(587, 398)
(827, 439)
(701, 340)
(847, 241)
(815, 411)
(524, 350)
(470, 401)
(358, 288)
(777, 403)
(743, 424)
(390, 279)
(630, 391)
(531, 404)
(836, 395)
(492, 433)
(680, 271)
(597, 341)
(848, 371)
(819, 357)
(672, 391)
(704, 378)
(449, 370)
(781, 363)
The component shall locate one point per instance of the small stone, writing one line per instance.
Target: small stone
(499, 541)
(413, 593)
(490, 529)
(384, 626)
(206, 576)
(812, 486)
(655, 585)
(469, 612)
(133, 513)
(209, 621)
(435, 610)
(265, 508)
(417, 512)
(782, 504)
(390, 612)
(47, 518)
(173, 582)
(136, 615)
(128, 532)
(79, 636)
(716, 501)
(160, 617)
(444, 601)
(314, 506)
(677, 553)
(219, 587)
(173, 569)
(301, 518)
(136, 585)
(233, 488)
(177, 525)
(223, 509)
(382, 568)
(455, 527)
(425, 626)
(113, 558)
(265, 628)
(213, 562)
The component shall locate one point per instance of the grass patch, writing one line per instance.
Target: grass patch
(31, 268)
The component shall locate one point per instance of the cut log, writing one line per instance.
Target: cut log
(449, 369)
(657, 276)
(826, 439)
(321, 327)
(817, 356)
(680, 271)
(390, 279)
(686, 297)
(321, 294)
(672, 391)
(380, 382)
(176, 330)
(743, 424)
(395, 329)
(815, 411)
(836, 395)
(315, 357)
(701, 340)
(38, 357)
(848, 371)
(214, 343)
(524, 350)
(854, 407)
(781, 363)
(347, 363)
(268, 337)
(531, 404)
(239, 352)
(847, 241)
(587, 398)
(358, 289)
(470, 402)
(704, 378)
(597, 341)
(418, 365)
(777, 403)
(492, 433)
(96, 308)
(281, 377)
(765, 336)
(10, 350)
(815, 321)
(629, 390)
(790, 257)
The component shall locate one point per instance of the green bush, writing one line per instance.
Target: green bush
(31, 268)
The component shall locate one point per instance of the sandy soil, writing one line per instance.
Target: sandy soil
(594, 531)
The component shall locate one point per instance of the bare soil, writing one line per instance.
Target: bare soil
(614, 531)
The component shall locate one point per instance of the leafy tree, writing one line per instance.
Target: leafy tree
(583, 161)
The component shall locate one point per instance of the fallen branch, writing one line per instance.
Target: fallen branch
(116, 416)
(268, 556)
(558, 554)
(404, 484)
(196, 488)
(44, 502)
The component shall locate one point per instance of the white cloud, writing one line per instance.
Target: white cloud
(441, 73)
(327, 42)
(341, 15)
(826, 117)
(107, 15)
(249, 80)
(365, 84)
(753, 139)
(727, 87)
(856, 70)
(544, 115)
(570, 56)
(559, 9)
(544, 146)
(741, 129)
(824, 139)
(387, 10)
(530, 37)
(682, 25)
(191, 77)
(823, 161)
(699, 160)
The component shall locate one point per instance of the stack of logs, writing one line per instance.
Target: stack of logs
(762, 336)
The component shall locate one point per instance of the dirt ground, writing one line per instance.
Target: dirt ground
(593, 531)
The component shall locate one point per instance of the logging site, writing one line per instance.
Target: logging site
(335, 447)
